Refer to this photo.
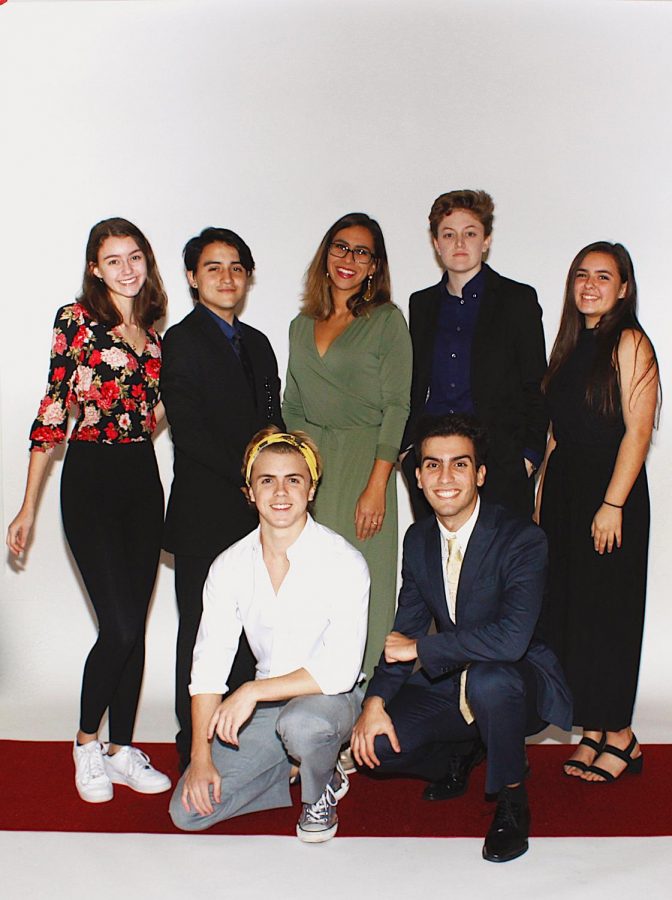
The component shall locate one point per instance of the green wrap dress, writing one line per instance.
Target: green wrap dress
(354, 402)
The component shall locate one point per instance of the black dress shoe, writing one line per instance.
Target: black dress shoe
(456, 780)
(507, 836)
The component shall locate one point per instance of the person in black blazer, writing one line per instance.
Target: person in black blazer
(483, 676)
(220, 385)
(478, 347)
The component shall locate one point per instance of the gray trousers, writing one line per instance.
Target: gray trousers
(255, 775)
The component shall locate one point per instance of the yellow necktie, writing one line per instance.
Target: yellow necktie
(453, 566)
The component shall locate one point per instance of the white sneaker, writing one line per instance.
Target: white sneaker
(91, 780)
(131, 767)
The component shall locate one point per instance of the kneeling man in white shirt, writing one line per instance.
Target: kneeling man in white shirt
(301, 594)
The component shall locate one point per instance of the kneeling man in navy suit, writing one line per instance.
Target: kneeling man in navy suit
(484, 681)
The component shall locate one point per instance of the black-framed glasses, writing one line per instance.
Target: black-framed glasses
(360, 255)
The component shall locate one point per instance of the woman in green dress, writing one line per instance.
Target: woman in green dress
(348, 386)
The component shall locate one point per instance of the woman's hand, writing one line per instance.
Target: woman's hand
(370, 511)
(606, 528)
(19, 530)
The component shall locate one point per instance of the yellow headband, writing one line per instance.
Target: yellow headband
(282, 438)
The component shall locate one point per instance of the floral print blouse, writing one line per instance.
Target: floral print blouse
(115, 388)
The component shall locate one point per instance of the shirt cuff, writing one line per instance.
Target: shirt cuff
(387, 453)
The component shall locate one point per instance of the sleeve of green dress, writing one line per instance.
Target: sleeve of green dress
(396, 362)
(293, 412)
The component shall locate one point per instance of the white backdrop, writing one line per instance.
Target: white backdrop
(274, 117)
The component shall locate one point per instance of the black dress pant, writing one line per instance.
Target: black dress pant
(112, 508)
(428, 722)
(191, 573)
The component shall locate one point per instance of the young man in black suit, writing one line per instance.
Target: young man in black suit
(479, 572)
(478, 348)
(220, 385)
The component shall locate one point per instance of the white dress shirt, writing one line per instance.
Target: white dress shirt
(316, 621)
(462, 534)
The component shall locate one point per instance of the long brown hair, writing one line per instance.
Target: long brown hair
(150, 304)
(317, 301)
(602, 390)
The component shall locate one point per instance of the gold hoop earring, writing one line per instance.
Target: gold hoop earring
(368, 294)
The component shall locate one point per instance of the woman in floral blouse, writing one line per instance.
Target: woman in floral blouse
(106, 360)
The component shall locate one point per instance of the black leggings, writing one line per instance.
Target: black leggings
(112, 507)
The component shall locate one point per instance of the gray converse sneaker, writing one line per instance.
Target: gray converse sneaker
(131, 767)
(91, 779)
(319, 821)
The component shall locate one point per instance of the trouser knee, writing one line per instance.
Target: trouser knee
(490, 686)
(301, 734)
(185, 821)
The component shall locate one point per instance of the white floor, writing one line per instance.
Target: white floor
(51, 866)
(39, 866)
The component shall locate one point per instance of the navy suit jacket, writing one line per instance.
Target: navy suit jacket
(499, 599)
(213, 412)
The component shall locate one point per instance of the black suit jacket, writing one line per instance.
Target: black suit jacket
(213, 413)
(498, 604)
(508, 361)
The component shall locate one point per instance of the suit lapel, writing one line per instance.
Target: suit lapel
(479, 543)
(488, 304)
(221, 346)
(425, 352)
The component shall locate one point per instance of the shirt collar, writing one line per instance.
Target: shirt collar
(304, 540)
(464, 532)
(229, 330)
(475, 285)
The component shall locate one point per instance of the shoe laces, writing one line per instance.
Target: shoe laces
(506, 812)
(318, 812)
(137, 760)
(94, 766)
(338, 778)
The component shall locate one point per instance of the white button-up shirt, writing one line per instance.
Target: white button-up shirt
(316, 621)
(462, 534)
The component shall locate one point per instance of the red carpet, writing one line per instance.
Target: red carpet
(38, 794)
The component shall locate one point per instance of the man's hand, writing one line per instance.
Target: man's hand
(200, 775)
(399, 648)
(372, 722)
(232, 713)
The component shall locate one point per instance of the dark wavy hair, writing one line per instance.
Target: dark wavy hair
(454, 424)
(150, 303)
(317, 301)
(196, 245)
(602, 391)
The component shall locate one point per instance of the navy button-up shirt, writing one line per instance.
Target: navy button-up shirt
(450, 385)
(229, 331)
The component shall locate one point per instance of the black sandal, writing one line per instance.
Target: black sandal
(633, 766)
(597, 746)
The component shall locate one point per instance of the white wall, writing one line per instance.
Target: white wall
(274, 118)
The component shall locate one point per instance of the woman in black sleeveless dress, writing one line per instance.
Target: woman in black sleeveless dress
(593, 503)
